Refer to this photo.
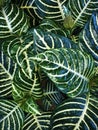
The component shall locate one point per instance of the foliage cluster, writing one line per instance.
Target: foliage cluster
(48, 65)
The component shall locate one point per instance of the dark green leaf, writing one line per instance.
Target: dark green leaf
(11, 116)
(80, 113)
(69, 69)
(89, 37)
(44, 41)
(81, 10)
(13, 21)
(7, 71)
(37, 122)
(50, 9)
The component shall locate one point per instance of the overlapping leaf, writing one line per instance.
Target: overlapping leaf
(69, 69)
(76, 114)
(23, 82)
(29, 6)
(7, 71)
(51, 96)
(44, 41)
(82, 10)
(37, 122)
(30, 106)
(48, 25)
(11, 19)
(89, 37)
(50, 9)
(11, 116)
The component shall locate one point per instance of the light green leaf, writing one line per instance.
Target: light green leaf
(81, 10)
(78, 113)
(11, 116)
(69, 69)
(30, 106)
(37, 122)
(13, 21)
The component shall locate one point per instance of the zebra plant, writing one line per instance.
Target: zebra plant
(49, 65)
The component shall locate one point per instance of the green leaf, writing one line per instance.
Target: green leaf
(89, 37)
(25, 83)
(13, 21)
(26, 100)
(2, 2)
(48, 25)
(29, 105)
(81, 10)
(51, 96)
(69, 69)
(29, 7)
(7, 71)
(44, 41)
(50, 9)
(11, 116)
(37, 122)
(78, 113)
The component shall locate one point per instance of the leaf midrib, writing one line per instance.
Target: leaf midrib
(7, 20)
(12, 111)
(83, 113)
(81, 12)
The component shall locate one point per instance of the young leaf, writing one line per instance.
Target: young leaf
(37, 122)
(89, 37)
(78, 113)
(69, 69)
(11, 116)
(30, 106)
(81, 10)
(11, 19)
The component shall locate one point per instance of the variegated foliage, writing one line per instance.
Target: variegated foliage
(81, 10)
(69, 69)
(89, 37)
(11, 19)
(79, 113)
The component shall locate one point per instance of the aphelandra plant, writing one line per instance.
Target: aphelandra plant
(48, 65)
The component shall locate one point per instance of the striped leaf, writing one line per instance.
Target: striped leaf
(69, 69)
(48, 25)
(50, 9)
(11, 116)
(37, 122)
(44, 41)
(26, 100)
(13, 21)
(16, 46)
(80, 113)
(7, 71)
(29, 6)
(30, 106)
(51, 96)
(11, 47)
(81, 10)
(89, 37)
(27, 84)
